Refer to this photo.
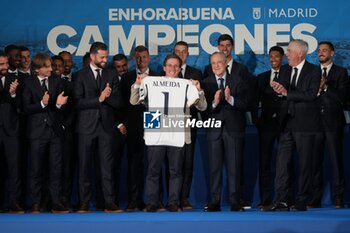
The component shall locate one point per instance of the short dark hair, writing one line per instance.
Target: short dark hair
(277, 49)
(141, 48)
(330, 44)
(10, 47)
(170, 56)
(23, 48)
(2, 53)
(56, 57)
(86, 56)
(224, 37)
(39, 60)
(97, 46)
(119, 57)
(181, 43)
(64, 52)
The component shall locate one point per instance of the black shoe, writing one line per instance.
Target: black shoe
(83, 208)
(174, 208)
(35, 209)
(112, 208)
(236, 208)
(245, 204)
(278, 206)
(16, 209)
(263, 205)
(141, 205)
(314, 205)
(186, 205)
(58, 208)
(132, 207)
(161, 207)
(150, 208)
(297, 208)
(212, 208)
(338, 203)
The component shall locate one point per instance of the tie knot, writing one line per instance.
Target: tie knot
(324, 74)
(295, 69)
(98, 71)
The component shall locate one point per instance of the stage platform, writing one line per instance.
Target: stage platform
(195, 221)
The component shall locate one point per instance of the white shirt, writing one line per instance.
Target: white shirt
(170, 97)
(299, 67)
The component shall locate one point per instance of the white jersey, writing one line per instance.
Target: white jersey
(166, 100)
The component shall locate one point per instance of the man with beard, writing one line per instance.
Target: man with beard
(331, 96)
(13, 54)
(120, 63)
(9, 143)
(68, 65)
(96, 97)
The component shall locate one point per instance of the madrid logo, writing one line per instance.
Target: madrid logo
(257, 13)
(151, 120)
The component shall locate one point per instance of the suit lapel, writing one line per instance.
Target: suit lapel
(37, 86)
(90, 78)
(303, 72)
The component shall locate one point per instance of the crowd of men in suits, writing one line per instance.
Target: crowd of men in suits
(56, 124)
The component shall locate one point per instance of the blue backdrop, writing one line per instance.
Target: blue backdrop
(255, 25)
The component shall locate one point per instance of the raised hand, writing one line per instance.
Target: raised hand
(105, 93)
(227, 94)
(61, 99)
(279, 88)
(217, 97)
(46, 98)
(197, 84)
(13, 87)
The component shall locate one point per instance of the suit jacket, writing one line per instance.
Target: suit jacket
(331, 101)
(38, 117)
(240, 70)
(232, 117)
(300, 105)
(8, 108)
(132, 114)
(89, 110)
(270, 103)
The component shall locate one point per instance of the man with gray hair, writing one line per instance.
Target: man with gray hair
(298, 87)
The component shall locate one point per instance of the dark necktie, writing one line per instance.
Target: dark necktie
(43, 85)
(222, 88)
(294, 79)
(324, 74)
(65, 78)
(275, 78)
(180, 75)
(98, 78)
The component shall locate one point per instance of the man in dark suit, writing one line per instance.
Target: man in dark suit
(96, 96)
(227, 101)
(43, 100)
(268, 123)
(331, 96)
(225, 44)
(298, 86)
(63, 64)
(9, 136)
(188, 72)
(133, 118)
